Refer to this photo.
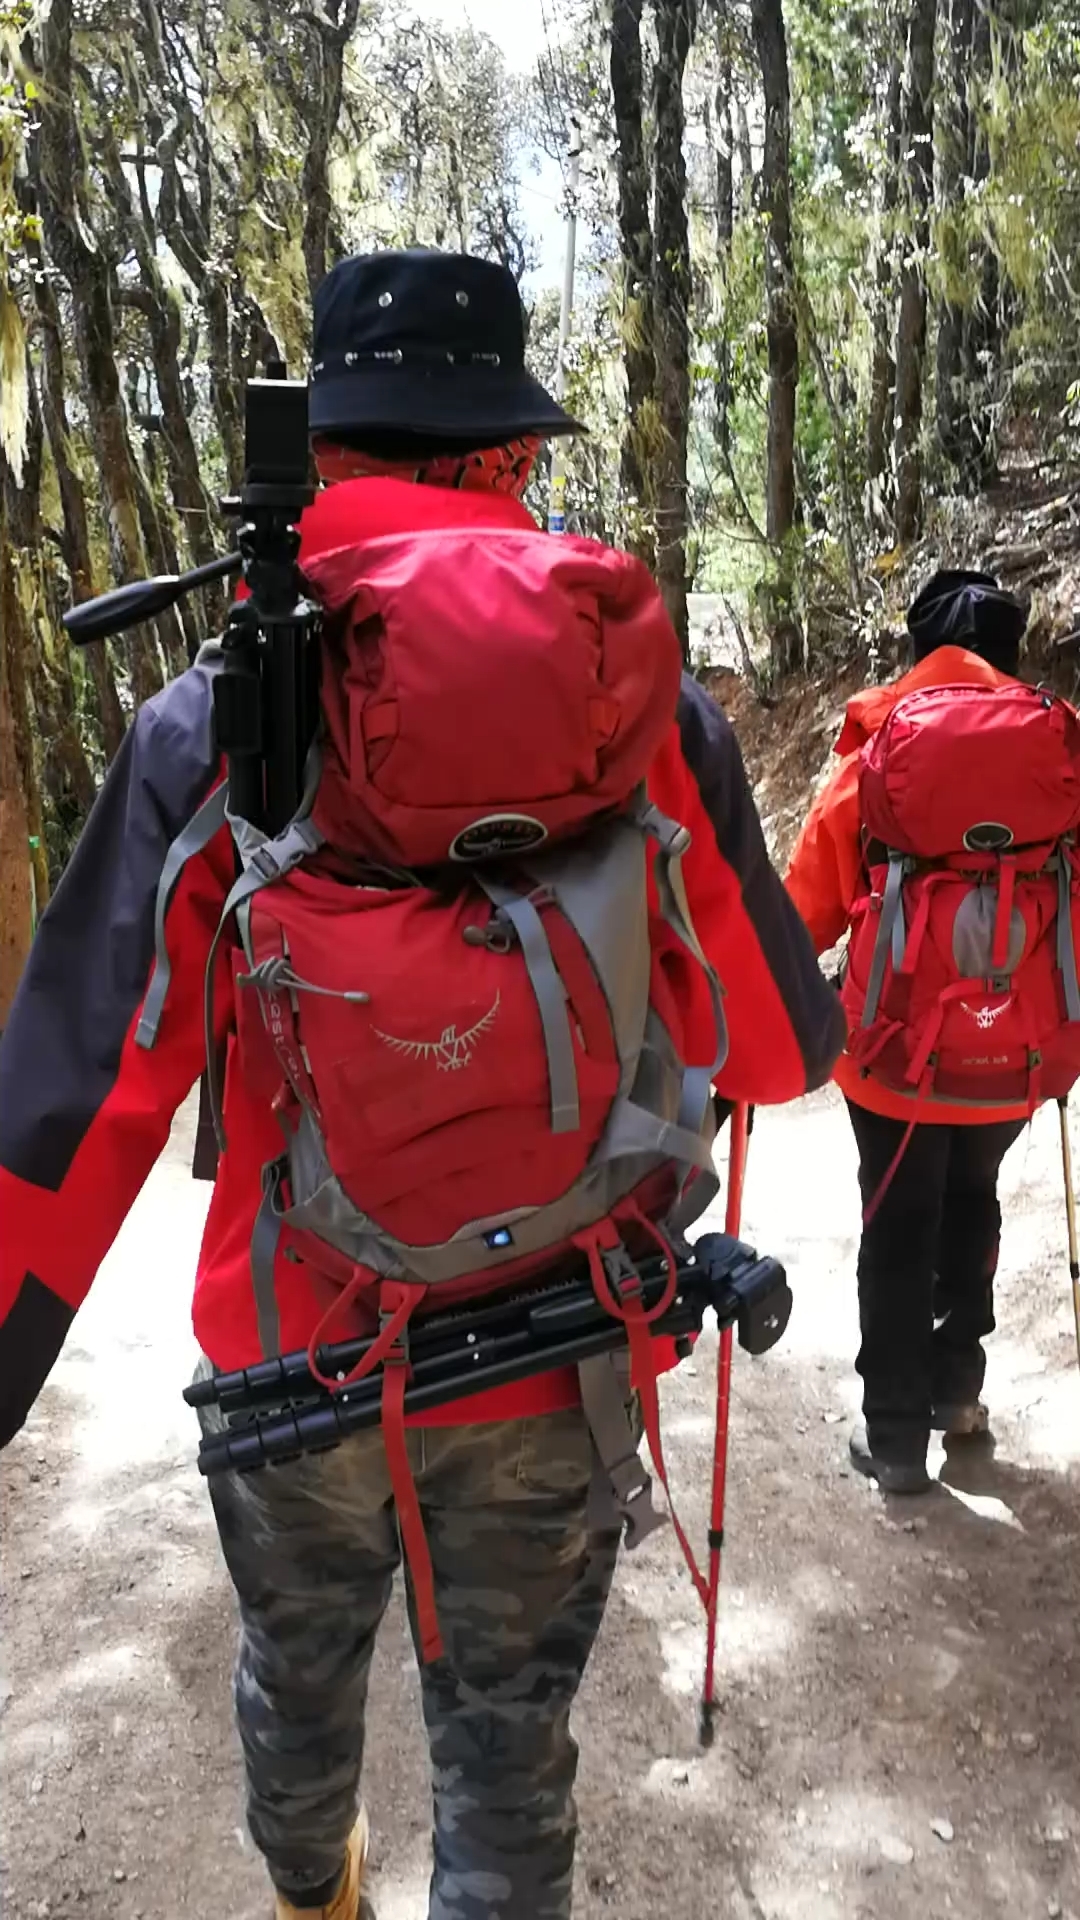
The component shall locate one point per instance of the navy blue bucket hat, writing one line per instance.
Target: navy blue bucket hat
(425, 343)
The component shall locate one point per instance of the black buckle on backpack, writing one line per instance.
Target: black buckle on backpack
(398, 1354)
(621, 1272)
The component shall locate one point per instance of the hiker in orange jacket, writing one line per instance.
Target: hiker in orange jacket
(928, 1256)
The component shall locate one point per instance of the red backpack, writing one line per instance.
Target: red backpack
(961, 981)
(461, 970)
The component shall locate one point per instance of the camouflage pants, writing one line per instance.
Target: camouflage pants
(521, 1585)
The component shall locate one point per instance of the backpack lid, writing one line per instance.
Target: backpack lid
(977, 769)
(485, 690)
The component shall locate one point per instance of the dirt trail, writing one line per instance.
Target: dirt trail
(887, 1666)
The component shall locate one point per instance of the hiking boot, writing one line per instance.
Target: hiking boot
(961, 1419)
(892, 1476)
(345, 1903)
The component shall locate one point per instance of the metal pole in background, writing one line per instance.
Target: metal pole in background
(557, 497)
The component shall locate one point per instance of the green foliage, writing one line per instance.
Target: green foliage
(206, 128)
(17, 97)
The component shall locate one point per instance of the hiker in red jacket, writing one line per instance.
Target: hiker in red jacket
(425, 426)
(929, 1246)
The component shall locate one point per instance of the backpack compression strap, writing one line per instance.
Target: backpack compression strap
(618, 1288)
(890, 932)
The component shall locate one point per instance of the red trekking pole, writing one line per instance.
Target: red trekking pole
(741, 1122)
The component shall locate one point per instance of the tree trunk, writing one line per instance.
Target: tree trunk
(954, 139)
(725, 232)
(745, 151)
(911, 328)
(162, 557)
(185, 217)
(188, 234)
(879, 424)
(16, 896)
(636, 246)
(185, 481)
(770, 42)
(16, 899)
(983, 334)
(321, 115)
(76, 533)
(48, 738)
(59, 183)
(162, 314)
(675, 21)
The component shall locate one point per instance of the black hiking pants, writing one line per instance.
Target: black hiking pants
(926, 1272)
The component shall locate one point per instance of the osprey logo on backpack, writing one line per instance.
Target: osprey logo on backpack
(498, 833)
(451, 1051)
(984, 1017)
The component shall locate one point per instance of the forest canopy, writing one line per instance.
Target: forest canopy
(828, 262)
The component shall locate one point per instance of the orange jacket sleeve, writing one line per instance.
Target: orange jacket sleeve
(824, 872)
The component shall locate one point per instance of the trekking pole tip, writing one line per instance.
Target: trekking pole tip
(707, 1723)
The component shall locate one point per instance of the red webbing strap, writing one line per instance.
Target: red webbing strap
(407, 1502)
(891, 1170)
(931, 1034)
(629, 1309)
(919, 924)
(926, 1087)
(888, 1030)
(607, 1236)
(999, 951)
(389, 1334)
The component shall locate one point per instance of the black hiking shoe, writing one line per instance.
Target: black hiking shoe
(961, 1419)
(892, 1476)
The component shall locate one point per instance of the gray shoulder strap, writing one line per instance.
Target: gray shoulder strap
(672, 841)
(550, 999)
(1066, 946)
(890, 934)
(264, 1244)
(198, 834)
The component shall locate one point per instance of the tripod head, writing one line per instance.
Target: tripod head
(266, 694)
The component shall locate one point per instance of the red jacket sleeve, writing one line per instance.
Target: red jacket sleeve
(825, 870)
(785, 1024)
(84, 1111)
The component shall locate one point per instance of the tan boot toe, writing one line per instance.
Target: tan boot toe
(345, 1904)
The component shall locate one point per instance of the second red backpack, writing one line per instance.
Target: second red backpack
(961, 983)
